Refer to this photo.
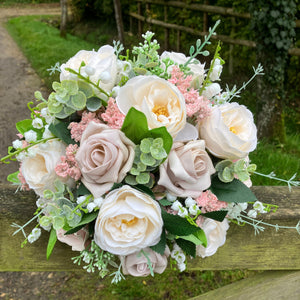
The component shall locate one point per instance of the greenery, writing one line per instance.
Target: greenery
(16, 2)
(39, 41)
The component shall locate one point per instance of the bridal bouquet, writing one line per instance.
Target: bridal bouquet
(137, 160)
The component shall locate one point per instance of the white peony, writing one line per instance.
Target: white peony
(39, 169)
(128, 221)
(160, 101)
(216, 236)
(100, 65)
(229, 132)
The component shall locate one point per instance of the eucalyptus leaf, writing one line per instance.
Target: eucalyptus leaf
(93, 104)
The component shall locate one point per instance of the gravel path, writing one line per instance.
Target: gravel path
(18, 81)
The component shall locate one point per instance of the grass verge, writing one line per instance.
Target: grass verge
(42, 44)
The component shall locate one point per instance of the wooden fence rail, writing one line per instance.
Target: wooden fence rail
(270, 250)
(195, 7)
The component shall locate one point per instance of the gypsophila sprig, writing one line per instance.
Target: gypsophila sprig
(139, 160)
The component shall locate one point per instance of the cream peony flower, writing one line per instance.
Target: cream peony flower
(104, 157)
(187, 170)
(136, 264)
(229, 132)
(100, 65)
(197, 69)
(216, 236)
(78, 240)
(38, 169)
(128, 221)
(159, 100)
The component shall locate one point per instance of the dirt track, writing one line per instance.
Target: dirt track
(18, 81)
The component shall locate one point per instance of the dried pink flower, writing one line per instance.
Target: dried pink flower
(112, 115)
(209, 202)
(78, 128)
(68, 165)
(196, 105)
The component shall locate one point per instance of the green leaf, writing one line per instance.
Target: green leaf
(93, 103)
(78, 101)
(82, 190)
(160, 247)
(177, 225)
(234, 191)
(51, 242)
(197, 238)
(24, 125)
(188, 247)
(165, 202)
(60, 130)
(71, 86)
(135, 125)
(85, 88)
(87, 218)
(216, 215)
(14, 177)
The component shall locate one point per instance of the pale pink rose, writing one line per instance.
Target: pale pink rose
(128, 221)
(104, 157)
(215, 234)
(160, 101)
(187, 170)
(136, 264)
(78, 240)
(229, 132)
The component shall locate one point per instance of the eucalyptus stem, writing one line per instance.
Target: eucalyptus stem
(206, 40)
(88, 81)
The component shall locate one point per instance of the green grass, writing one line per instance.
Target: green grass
(282, 159)
(44, 47)
(42, 44)
(21, 2)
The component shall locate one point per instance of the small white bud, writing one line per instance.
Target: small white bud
(171, 197)
(91, 206)
(252, 213)
(17, 144)
(80, 199)
(98, 201)
(105, 77)
(30, 136)
(182, 212)
(176, 205)
(37, 123)
(189, 201)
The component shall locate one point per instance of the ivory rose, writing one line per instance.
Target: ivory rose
(159, 100)
(229, 132)
(100, 65)
(136, 264)
(38, 169)
(78, 240)
(187, 170)
(197, 68)
(128, 221)
(104, 157)
(215, 234)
